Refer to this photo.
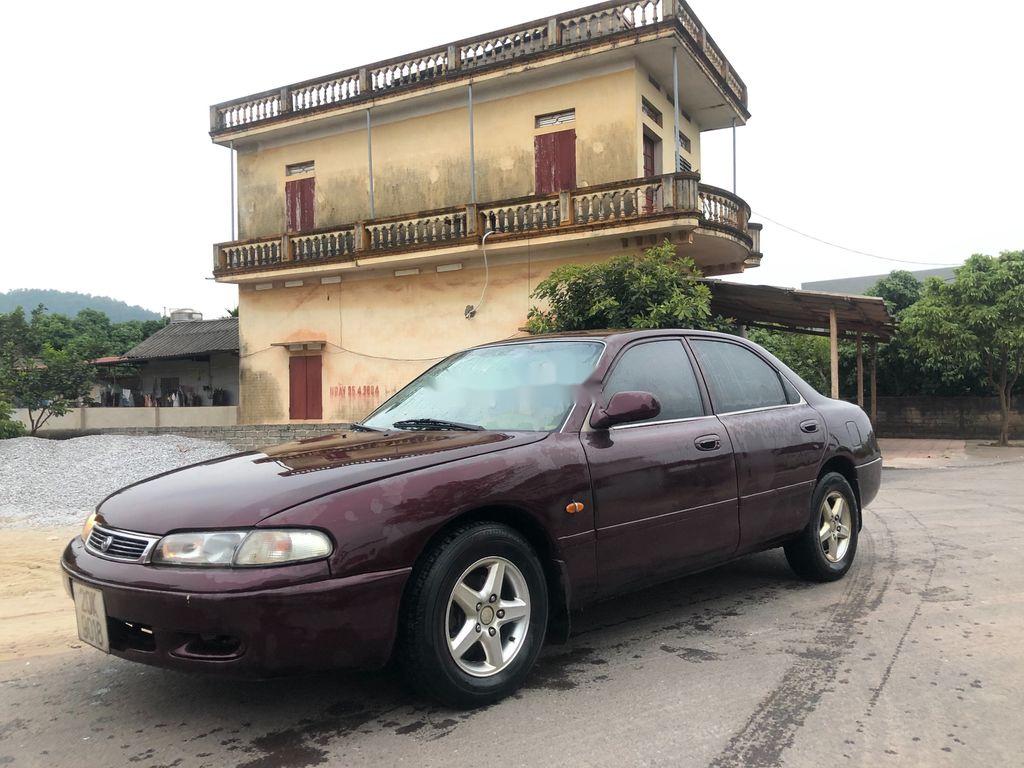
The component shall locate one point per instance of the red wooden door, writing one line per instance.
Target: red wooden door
(649, 146)
(305, 387)
(299, 200)
(555, 161)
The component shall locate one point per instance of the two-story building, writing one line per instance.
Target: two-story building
(393, 213)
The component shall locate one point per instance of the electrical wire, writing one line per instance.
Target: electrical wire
(853, 250)
(471, 310)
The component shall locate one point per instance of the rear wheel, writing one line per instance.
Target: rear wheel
(825, 549)
(475, 616)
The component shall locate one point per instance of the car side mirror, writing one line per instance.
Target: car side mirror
(625, 407)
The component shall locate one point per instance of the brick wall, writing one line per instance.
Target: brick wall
(946, 417)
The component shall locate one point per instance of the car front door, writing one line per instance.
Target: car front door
(777, 438)
(665, 488)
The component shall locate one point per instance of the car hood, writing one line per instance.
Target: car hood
(243, 489)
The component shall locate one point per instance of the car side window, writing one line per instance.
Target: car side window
(663, 369)
(737, 378)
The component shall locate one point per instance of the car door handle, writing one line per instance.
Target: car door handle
(809, 426)
(708, 443)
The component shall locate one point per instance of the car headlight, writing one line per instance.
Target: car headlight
(241, 548)
(90, 522)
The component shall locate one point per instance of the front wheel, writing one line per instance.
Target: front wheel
(475, 616)
(825, 549)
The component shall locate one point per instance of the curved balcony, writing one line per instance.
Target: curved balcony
(713, 223)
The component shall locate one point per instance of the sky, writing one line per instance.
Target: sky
(891, 128)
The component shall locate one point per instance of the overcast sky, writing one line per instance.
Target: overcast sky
(892, 128)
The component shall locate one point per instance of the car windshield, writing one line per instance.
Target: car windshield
(526, 386)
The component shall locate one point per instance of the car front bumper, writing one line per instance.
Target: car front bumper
(258, 622)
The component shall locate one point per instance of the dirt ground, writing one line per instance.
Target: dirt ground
(36, 615)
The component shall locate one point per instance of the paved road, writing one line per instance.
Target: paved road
(914, 659)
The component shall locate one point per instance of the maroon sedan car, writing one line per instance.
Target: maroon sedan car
(462, 523)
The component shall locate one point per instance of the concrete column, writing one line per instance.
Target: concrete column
(675, 108)
(472, 148)
(369, 160)
(833, 338)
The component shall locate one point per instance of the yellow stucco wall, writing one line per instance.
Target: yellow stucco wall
(422, 162)
(380, 332)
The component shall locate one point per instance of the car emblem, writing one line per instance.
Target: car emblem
(106, 544)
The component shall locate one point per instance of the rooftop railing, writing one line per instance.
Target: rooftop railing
(536, 216)
(575, 28)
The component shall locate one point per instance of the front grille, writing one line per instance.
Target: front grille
(119, 545)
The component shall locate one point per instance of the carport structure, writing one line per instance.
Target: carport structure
(863, 319)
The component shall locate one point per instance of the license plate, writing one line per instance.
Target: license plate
(92, 616)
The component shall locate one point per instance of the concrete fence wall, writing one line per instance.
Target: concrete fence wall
(942, 417)
(90, 419)
(946, 417)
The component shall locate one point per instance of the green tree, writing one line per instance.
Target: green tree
(49, 386)
(899, 289)
(8, 426)
(660, 289)
(976, 321)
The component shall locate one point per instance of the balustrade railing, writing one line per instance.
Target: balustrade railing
(406, 72)
(330, 91)
(263, 252)
(618, 203)
(640, 199)
(316, 246)
(415, 232)
(533, 215)
(503, 47)
(590, 23)
(720, 207)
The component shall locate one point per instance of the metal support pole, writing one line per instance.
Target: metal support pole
(860, 372)
(472, 148)
(833, 339)
(369, 160)
(231, 173)
(675, 104)
(734, 155)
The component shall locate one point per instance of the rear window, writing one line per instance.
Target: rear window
(737, 378)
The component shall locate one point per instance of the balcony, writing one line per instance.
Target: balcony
(606, 26)
(676, 205)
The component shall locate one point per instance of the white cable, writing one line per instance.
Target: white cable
(471, 310)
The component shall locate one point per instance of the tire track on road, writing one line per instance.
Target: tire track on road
(773, 726)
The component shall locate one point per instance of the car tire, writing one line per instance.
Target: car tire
(463, 641)
(825, 549)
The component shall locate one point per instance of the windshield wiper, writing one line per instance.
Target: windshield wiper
(357, 427)
(435, 424)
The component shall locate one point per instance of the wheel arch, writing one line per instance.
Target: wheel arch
(543, 544)
(844, 466)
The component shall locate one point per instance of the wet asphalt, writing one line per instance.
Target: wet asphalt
(916, 658)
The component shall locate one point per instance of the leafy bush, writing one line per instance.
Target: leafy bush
(659, 289)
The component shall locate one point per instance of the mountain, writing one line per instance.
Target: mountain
(69, 303)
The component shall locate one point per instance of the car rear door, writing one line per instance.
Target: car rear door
(664, 489)
(777, 438)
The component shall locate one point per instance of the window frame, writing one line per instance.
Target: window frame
(705, 401)
(783, 380)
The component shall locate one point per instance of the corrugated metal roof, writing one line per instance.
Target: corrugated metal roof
(199, 337)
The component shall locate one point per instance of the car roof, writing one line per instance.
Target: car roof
(611, 335)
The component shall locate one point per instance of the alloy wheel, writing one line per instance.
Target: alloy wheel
(835, 525)
(488, 616)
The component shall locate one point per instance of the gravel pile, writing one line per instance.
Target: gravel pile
(59, 482)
